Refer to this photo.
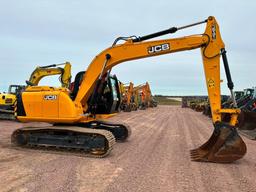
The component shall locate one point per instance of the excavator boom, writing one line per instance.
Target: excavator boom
(49, 70)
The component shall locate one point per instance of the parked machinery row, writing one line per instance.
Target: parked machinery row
(136, 97)
(8, 100)
(245, 100)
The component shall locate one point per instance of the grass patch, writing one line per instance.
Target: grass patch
(165, 100)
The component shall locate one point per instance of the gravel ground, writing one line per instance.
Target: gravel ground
(155, 158)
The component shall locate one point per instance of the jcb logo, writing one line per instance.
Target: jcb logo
(50, 97)
(159, 48)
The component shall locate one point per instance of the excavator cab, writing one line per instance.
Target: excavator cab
(110, 96)
(109, 101)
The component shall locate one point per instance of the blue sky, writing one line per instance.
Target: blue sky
(43, 32)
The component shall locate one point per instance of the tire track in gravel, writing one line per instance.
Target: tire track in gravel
(194, 181)
(154, 174)
(188, 130)
(145, 131)
(109, 169)
(143, 158)
(145, 123)
(53, 172)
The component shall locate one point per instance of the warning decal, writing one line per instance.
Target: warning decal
(211, 83)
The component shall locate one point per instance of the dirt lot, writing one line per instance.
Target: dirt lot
(155, 158)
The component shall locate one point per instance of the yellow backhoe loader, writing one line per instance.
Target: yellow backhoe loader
(8, 100)
(72, 115)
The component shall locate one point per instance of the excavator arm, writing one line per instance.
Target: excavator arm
(49, 70)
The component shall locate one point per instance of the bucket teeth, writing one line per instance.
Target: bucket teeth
(224, 146)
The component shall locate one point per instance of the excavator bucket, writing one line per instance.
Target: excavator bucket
(224, 146)
(247, 120)
(247, 124)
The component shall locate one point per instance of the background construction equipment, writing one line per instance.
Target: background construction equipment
(8, 100)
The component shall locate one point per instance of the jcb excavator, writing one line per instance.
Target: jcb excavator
(49, 70)
(141, 95)
(53, 105)
(8, 100)
(145, 97)
(128, 103)
(149, 98)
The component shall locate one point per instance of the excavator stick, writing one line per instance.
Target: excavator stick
(224, 146)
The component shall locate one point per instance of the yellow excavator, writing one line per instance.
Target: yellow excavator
(140, 92)
(128, 103)
(71, 116)
(8, 100)
(145, 96)
(49, 70)
(121, 88)
(151, 100)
